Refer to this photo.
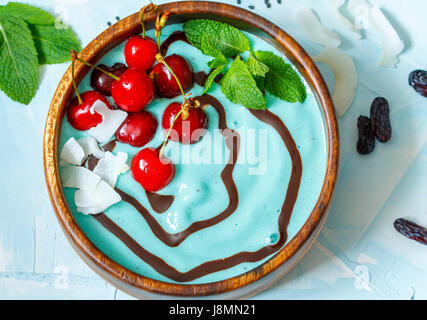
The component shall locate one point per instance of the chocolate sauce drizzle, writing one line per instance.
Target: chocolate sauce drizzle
(161, 203)
(232, 140)
(200, 78)
(175, 36)
(174, 239)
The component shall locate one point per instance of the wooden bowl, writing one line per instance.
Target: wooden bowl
(245, 284)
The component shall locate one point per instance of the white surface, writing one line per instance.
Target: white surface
(358, 255)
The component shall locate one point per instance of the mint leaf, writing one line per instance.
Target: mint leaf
(260, 82)
(281, 80)
(53, 45)
(256, 67)
(210, 50)
(229, 40)
(18, 60)
(212, 77)
(208, 47)
(217, 62)
(239, 86)
(29, 14)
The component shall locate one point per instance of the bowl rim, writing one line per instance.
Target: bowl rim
(94, 257)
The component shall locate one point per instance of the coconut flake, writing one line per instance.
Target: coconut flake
(111, 166)
(85, 199)
(91, 147)
(345, 72)
(317, 33)
(392, 45)
(335, 6)
(89, 210)
(361, 12)
(111, 121)
(367, 16)
(97, 200)
(79, 177)
(105, 194)
(72, 153)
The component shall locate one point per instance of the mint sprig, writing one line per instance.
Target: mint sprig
(239, 86)
(28, 38)
(245, 82)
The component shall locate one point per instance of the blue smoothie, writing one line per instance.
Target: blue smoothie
(261, 175)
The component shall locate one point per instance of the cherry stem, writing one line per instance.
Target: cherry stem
(75, 57)
(169, 132)
(160, 58)
(160, 23)
(141, 17)
(148, 8)
(74, 80)
(158, 32)
(158, 42)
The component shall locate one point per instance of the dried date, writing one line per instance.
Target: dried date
(411, 230)
(366, 141)
(380, 119)
(418, 80)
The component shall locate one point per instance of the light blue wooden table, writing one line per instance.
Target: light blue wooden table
(358, 254)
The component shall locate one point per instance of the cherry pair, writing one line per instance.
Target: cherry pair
(141, 53)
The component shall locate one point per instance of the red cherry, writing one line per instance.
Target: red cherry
(133, 91)
(150, 171)
(187, 131)
(138, 129)
(80, 116)
(140, 53)
(165, 82)
(101, 82)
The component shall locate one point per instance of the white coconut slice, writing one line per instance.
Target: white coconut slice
(392, 45)
(345, 72)
(79, 177)
(105, 194)
(85, 199)
(335, 6)
(368, 16)
(111, 166)
(111, 121)
(317, 33)
(91, 147)
(97, 200)
(89, 210)
(72, 153)
(360, 9)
